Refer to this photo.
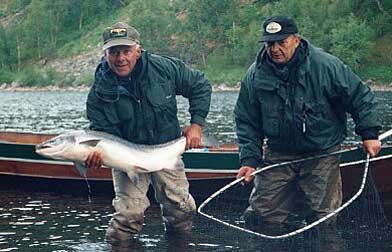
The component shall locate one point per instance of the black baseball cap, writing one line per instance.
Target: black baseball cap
(278, 28)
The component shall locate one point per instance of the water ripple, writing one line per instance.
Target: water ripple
(46, 112)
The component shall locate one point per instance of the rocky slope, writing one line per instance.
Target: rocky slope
(78, 71)
(76, 67)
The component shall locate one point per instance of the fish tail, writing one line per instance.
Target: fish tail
(81, 168)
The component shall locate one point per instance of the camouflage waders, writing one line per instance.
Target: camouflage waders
(298, 192)
(171, 191)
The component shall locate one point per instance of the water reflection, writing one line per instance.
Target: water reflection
(53, 221)
(38, 221)
(41, 221)
(34, 221)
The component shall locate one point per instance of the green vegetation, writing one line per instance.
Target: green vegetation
(218, 36)
(379, 73)
(31, 76)
(228, 75)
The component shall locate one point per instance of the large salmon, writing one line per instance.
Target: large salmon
(116, 153)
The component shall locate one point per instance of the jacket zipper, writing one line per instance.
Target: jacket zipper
(304, 116)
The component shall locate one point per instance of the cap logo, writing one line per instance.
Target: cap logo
(273, 27)
(118, 33)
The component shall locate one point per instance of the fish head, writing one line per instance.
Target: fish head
(58, 147)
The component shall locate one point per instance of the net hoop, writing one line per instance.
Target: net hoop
(313, 224)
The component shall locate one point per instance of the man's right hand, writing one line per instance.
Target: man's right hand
(246, 171)
(94, 160)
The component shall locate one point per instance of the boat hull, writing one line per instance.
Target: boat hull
(207, 171)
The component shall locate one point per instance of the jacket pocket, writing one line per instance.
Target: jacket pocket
(272, 111)
(120, 111)
(164, 108)
(312, 121)
(111, 113)
(160, 94)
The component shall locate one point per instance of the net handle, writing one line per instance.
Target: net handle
(298, 231)
(385, 135)
(380, 137)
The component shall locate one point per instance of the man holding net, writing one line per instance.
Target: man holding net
(297, 97)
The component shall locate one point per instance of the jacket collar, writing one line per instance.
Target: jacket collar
(107, 83)
(264, 73)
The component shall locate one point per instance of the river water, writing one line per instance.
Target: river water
(57, 112)
(33, 220)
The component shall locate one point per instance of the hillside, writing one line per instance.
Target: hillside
(61, 45)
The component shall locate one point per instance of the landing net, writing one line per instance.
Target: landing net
(361, 222)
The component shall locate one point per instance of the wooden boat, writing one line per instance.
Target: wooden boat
(207, 170)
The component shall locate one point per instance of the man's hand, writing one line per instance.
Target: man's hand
(193, 136)
(372, 146)
(94, 160)
(246, 171)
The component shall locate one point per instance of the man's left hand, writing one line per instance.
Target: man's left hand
(372, 146)
(193, 136)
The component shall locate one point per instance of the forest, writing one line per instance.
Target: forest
(220, 37)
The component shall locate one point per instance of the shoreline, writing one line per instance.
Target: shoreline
(374, 86)
(54, 88)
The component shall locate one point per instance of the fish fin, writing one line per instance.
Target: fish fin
(209, 140)
(82, 168)
(134, 177)
(139, 169)
(91, 143)
(175, 164)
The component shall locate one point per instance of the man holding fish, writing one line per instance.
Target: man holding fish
(134, 97)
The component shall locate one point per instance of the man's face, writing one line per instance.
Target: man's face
(122, 59)
(282, 51)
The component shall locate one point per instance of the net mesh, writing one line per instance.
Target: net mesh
(361, 226)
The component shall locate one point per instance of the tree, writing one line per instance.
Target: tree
(351, 42)
(208, 24)
(155, 20)
(5, 50)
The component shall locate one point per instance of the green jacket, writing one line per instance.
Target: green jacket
(143, 108)
(306, 114)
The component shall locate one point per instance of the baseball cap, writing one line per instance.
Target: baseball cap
(120, 34)
(278, 28)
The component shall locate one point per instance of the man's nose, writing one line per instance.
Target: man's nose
(274, 45)
(120, 55)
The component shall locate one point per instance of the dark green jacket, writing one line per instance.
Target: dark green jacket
(305, 114)
(143, 108)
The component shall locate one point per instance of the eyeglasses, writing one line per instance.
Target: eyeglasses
(118, 32)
